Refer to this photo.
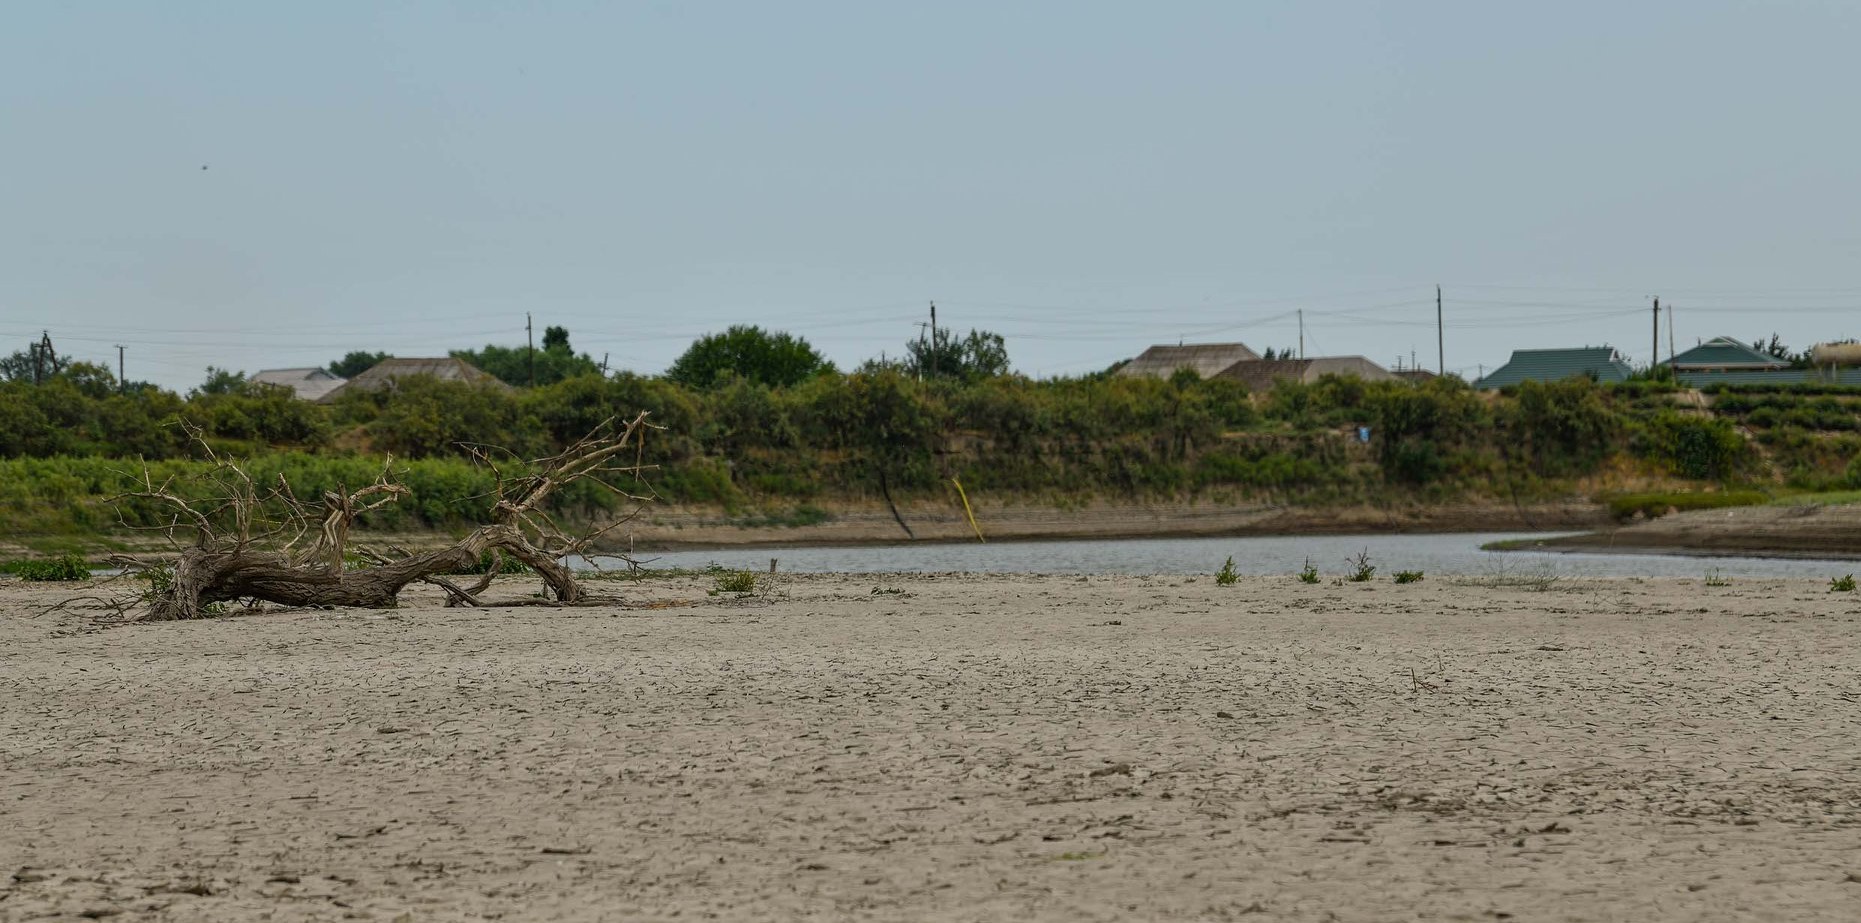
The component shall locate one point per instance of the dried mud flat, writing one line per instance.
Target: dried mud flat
(969, 748)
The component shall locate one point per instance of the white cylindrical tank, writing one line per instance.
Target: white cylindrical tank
(1824, 354)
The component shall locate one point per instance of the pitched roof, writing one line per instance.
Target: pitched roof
(1601, 362)
(383, 373)
(1260, 374)
(1725, 353)
(1208, 359)
(307, 384)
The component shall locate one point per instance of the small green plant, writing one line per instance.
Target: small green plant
(61, 568)
(1844, 584)
(1309, 574)
(887, 591)
(1362, 571)
(741, 582)
(1408, 576)
(1227, 575)
(1714, 578)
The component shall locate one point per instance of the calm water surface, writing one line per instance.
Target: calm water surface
(1445, 555)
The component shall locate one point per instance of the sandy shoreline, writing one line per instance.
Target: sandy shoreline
(965, 748)
(1806, 531)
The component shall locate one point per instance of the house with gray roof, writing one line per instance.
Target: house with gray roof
(1602, 363)
(1207, 359)
(307, 384)
(383, 374)
(1262, 374)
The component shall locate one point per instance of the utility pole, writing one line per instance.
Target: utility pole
(1670, 335)
(44, 358)
(529, 334)
(1301, 333)
(1440, 332)
(122, 384)
(604, 365)
(1654, 358)
(933, 331)
(922, 355)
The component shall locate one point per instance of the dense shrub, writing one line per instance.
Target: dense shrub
(1696, 447)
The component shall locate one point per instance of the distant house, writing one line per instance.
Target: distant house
(383, 374)
(1262, 374)
(1416, 376)
(1207, 359)
(1602, 363)
(307, 384)
(1724, 354)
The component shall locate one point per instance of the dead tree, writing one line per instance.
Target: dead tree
(247, 541)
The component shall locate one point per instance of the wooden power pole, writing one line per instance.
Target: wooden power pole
(1654, 358)
(1440, 332)
(529, 334)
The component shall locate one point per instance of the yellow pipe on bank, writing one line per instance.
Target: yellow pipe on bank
(969, 512)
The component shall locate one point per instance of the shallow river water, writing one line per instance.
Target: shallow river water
(1457, 554)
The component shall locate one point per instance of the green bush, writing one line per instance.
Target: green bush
(1408, 576)
(63, 568)
(740, 582)
(1695, 447)
(1227, 576)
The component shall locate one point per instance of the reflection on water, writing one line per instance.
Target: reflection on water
(1446, 555)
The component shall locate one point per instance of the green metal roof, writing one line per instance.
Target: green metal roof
(1771, 377)
(1602, 362)
(1725, 353)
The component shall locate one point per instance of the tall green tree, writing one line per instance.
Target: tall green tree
(978, 355)
(554, 362)
(355, 363)
(775, 359)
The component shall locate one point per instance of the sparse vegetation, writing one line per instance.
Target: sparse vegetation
(1361, 570)
(740, 583)
(1540, 576)
(1408, 576)
(1309, 574)
(1843, 584)
(1227, 575)
(1715, 578)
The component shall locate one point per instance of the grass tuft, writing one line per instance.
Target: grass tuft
(1227, 576)
(1309, 574)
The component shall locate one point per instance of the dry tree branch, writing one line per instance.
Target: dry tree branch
(248, 542)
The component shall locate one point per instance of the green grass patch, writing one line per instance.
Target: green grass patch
(1824, 498)
(741, 583)
(1655, 505)
(62, 568)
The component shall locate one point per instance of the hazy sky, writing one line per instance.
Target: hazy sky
(265, 185)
